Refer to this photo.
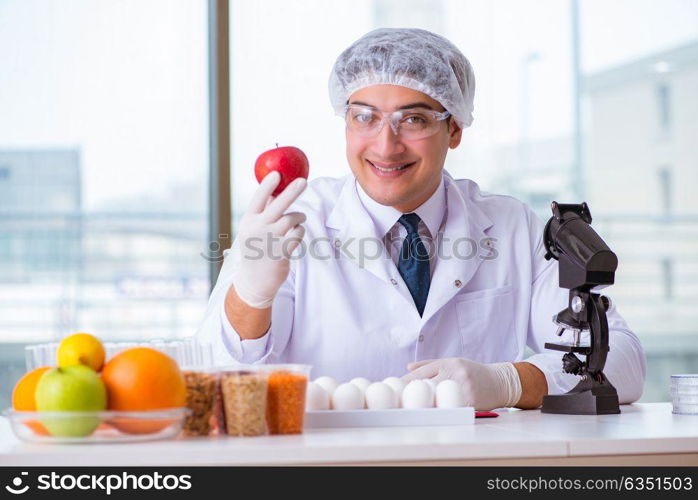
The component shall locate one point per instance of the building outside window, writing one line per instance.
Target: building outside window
(103, 172)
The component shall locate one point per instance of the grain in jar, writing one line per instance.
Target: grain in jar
(286, 398)
(244, 400)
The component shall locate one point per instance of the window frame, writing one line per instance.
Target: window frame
(220, 202)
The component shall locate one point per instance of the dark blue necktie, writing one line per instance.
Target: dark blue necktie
(414, 262)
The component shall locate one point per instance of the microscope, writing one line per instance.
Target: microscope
(585, 264)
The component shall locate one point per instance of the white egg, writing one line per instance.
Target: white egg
(380, 396)
(316, 397)
(397, 385)
(449, 395)
(361, 383)
(327, 383)
(432, 384)
(417, 394)
(347, 397)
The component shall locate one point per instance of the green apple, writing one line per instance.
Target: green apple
(72, 388)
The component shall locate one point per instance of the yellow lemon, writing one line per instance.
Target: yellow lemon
(81, 349)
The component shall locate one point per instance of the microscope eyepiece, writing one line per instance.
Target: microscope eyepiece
(584, 257)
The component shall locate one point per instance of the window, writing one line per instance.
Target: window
(103, 171)
(664, 107)
(104, 145)
(557, 116)
(665, 189)
(667, 278)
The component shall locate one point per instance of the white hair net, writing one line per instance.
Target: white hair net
(409, 57)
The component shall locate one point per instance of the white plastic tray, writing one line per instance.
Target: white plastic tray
(389, 418)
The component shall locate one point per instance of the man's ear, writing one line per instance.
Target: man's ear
(455, 134)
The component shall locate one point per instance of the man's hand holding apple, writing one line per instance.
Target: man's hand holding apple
(267, 237)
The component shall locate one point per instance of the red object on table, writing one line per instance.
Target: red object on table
(486, 414)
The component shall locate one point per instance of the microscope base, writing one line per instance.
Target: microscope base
(586, 398)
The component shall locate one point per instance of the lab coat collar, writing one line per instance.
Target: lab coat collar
(433, 210)
(357, 235)
(385, 217)
(463, 219)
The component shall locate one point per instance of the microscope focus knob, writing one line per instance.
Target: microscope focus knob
(606, 302)
(577, 304)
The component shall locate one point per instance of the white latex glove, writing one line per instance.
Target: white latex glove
(264, 266)
(484, 386)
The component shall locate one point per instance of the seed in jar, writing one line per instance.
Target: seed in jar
(286, 402)
(200, 394)
(244, 403)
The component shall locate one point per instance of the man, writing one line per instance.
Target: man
(398, 266)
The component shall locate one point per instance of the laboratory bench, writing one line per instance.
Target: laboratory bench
(642, 434)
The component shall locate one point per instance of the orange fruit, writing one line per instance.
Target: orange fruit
(142, 379)
(23, 397)
(23, 393)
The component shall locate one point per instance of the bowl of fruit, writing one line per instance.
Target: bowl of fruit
(138, 394)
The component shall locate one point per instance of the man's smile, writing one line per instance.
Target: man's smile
(383, 169)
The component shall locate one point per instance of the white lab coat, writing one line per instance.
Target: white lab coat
(350, 316)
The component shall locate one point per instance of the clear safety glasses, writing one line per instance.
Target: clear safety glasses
(409, 124)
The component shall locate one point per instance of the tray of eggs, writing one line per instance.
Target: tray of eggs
(362, 403)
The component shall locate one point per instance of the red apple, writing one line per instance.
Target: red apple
(290, 162)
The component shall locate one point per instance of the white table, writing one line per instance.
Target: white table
(643, 434)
